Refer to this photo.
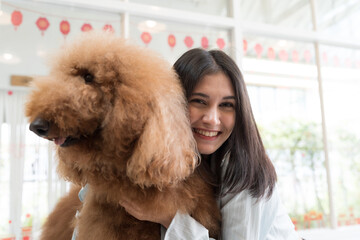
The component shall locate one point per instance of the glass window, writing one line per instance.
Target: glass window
(36, 205)
(213, 7)
(341, 74)
(286, 13)
(339, 18)
(282, 82)
(171, 40)
(37, 29)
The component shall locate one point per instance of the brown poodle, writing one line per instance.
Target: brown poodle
(117, 115)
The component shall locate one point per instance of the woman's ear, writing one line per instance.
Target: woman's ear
(166, 150)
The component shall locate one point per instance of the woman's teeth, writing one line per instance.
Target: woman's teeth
(206, 133)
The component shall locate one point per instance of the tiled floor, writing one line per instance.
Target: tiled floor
(342, 233)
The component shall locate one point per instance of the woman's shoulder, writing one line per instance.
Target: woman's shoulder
(244, 198)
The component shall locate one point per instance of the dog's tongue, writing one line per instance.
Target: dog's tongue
(59, 140)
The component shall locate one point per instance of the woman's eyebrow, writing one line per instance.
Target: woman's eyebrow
(200, 94)
(206, 96)
(229, 97)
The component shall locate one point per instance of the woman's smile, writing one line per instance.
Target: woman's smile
(207, 134)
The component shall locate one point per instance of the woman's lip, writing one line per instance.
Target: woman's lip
(202, 136)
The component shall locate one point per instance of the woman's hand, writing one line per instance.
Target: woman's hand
(144, 213)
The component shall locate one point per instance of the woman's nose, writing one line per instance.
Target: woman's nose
(211, 116)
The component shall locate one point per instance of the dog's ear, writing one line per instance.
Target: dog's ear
(166, 150)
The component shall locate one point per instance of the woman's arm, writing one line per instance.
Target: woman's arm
(185, 227)
(179, 226)
(143, 213)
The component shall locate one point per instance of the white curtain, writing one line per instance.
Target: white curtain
(44, 184)
(14, 115)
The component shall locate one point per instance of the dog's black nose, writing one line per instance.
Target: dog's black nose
(40, 127)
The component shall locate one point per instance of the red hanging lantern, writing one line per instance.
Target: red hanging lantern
(86, 27)
(220, 43)
(307, 56)
(10, 93)
(283, 55)
(171, 40)
(204, 42)
(325, 57)
(64, 27)
(245, 46)
(295, 56)
(108, 28)
(43, 24)
(348, 63)
(16, 18)
(358, 64)
(271, 53)
(188, 41)
(258, 50)
(146, 37)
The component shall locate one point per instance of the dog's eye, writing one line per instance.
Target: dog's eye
(88, 78)
(84, 73)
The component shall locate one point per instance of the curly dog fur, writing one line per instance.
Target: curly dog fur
(117, 114)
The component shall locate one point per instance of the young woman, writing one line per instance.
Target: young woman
(232, 153)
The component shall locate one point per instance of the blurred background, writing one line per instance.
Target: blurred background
(301, 63)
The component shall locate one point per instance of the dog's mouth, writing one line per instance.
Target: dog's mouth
(65, 141)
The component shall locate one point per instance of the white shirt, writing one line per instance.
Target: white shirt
(243, 218)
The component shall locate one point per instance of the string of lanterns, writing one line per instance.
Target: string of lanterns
(283, 54)
(188, 41)
(43, 24)
(295, 56)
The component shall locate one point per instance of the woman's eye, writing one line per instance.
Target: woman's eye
(197, 100)
(227, 105)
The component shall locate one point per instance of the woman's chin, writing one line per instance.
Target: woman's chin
(206, 150)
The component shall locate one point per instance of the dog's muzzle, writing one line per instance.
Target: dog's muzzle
(45, 130)
(40, 127)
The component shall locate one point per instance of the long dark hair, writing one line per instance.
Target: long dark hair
(248, 165)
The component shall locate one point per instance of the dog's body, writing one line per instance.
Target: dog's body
(118, 117)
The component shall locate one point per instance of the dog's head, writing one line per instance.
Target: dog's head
(109, 103)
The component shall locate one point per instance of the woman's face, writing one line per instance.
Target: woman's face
(212, 112)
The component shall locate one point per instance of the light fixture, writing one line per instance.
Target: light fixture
(41, 53)
(150, 23)
(282, 43)
(151, 26)
(9, 58)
